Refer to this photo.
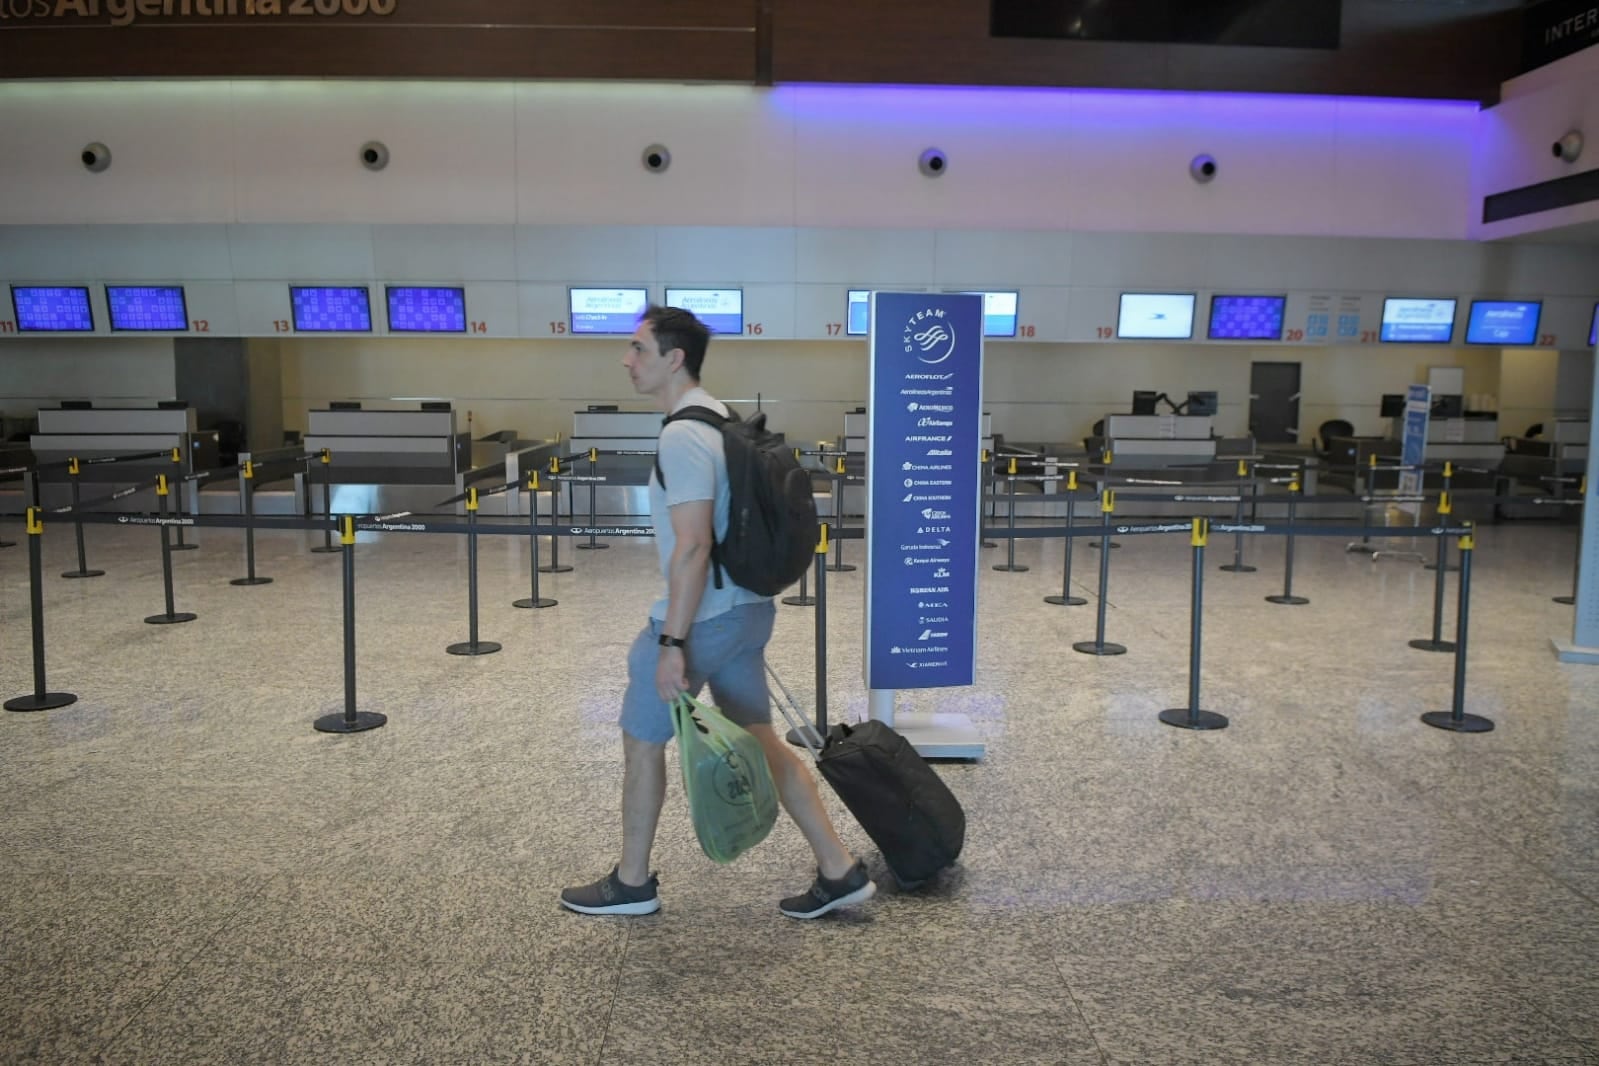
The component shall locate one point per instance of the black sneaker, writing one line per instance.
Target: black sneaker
(827, 895)
(609, 895)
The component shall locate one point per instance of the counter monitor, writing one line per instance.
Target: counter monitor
(147, 308)
(426, 309)
(859, 309)
(722, 310)
(331, 309)
(1413, 321)
(606, 311)
(1156, 316)
(999, 312)
(1246, 318)
(52, 308)
(1509, 322)
(1201, 403)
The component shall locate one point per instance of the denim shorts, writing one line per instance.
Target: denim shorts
(727, 650)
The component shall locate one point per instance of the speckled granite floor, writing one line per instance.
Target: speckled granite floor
(192, 875)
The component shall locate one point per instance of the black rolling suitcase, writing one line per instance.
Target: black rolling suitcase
(903, 805)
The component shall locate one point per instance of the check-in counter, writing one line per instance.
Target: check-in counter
(1160, 440)
(103, 432)
(386, 460)
(1545, 466)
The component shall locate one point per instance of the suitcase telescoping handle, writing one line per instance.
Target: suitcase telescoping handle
(787, 706)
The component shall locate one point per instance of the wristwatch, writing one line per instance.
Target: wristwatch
(672, 642)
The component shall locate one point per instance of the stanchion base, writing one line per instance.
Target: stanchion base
(326, 549)
(800, 601)
(1065, 601)
(1012, 568)
(1094, 544)
(1088, 647)
(251, 581)
(83, 573)
(49, 702)
(170, 619)
(1449, 568)
(558, 568)
(542, 601)
(1360, 548)
(8, 544)
(185, 547)
(1468, 723)
(467, 647)
(1569, 601)
(592, 547)
(1428, 644)
(990, 544)
(841, 568)
(1288, 601)
(1238, 568)
(338, 723)
(1183, 718)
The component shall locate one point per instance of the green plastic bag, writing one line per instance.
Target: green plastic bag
(730, 790)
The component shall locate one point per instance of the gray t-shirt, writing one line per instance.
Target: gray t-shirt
(695, 467)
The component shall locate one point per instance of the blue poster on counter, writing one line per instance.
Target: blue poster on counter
(1413, 442)
(923, 489)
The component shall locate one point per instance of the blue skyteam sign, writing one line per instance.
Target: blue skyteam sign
(924, 489)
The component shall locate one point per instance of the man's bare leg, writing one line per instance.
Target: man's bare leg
(643, 795)
(803, 802)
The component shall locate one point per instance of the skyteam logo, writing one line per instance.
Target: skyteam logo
(929, 336)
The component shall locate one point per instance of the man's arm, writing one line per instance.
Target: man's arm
(692, 526)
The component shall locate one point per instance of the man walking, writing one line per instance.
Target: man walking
(699, 633)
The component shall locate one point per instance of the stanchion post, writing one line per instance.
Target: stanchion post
(328, 547)
(1191, 717)
(555, 566)
(593, 545)
(1443, 542)
(247, 506)
(986, 511)
(1288, 598)
(1437, 642)
(1238, 566)
(1576, 558)
(1098, 646)
(73, 471)
(177, 504)
(1456, 720)
(838, 565)
(821, 643)
(472, 645)
(1066, 599)
(1010, 523)
(172, 616)
(535, 600)
(42, 699)
(351, 721)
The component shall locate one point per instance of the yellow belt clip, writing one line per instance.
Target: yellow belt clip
(35, 522)
(249, 469)
(471, 499)
(347, 532)
(72, 466)
(1449, 470)
(533, 481)
(1107, 457)
(1107, 501)
(1293, 484)
(1443, 503)
(555, 464)
(1012, 469)
(161, 485)
(1071, 481)
(1201, 535)
(840, 468)
(1467, 540)
(327, 456)
(1243, 468)
(821, 545)
(177, 455)
(594, 455)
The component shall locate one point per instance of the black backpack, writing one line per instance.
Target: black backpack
(772, 529)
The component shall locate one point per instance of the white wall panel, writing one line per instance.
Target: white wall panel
(598, 255)
(444, 254)
(128, 253)
(451, 144)
(37, 371)
(309, 252)
(724, 255)
(993, 259)
(579, 149)
(171, 152)
(1402, 170)
(865, 258)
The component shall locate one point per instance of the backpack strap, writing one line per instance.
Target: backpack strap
(715, 421)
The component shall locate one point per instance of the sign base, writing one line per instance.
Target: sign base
(941, 736)
(1568, 652)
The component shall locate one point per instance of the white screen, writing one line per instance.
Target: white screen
(1156, 316)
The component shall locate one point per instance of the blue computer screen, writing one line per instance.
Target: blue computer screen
(426, 310)
(331, 309)
(614, 311)
(138, 308)
(859, 322)
(1247, 318)
(1503, 322)
(52, 308)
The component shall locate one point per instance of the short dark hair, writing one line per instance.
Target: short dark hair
(676, 328)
